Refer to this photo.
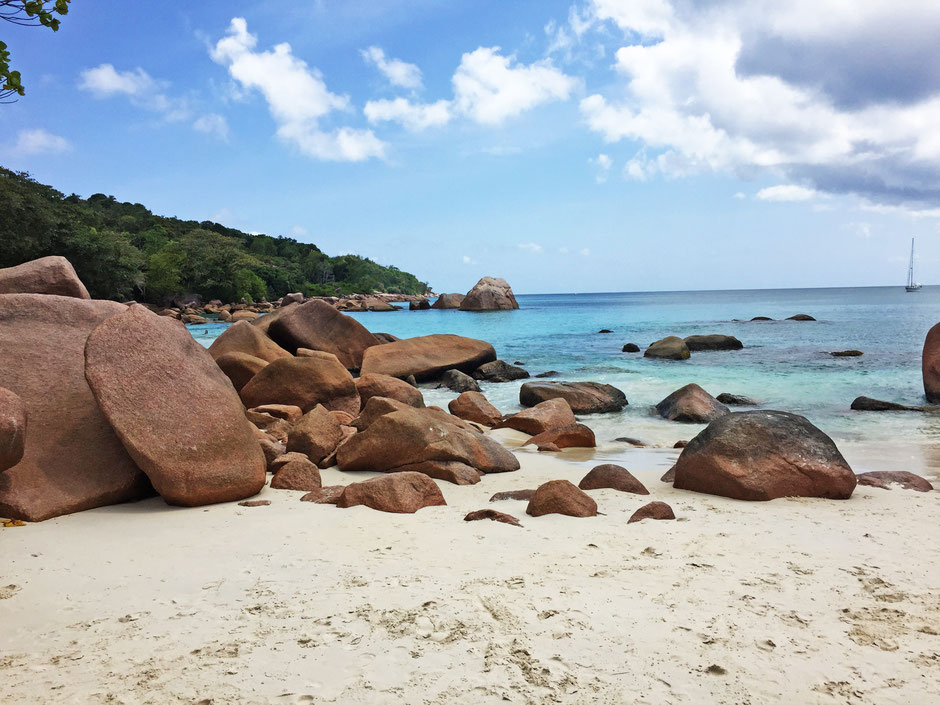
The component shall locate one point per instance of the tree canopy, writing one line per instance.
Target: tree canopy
(25, 13)
(123, 251)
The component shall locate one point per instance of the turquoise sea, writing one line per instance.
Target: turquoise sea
(784, 364)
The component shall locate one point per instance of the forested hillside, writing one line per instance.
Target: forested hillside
(123, 251)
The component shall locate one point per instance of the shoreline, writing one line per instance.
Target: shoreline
(795, 600)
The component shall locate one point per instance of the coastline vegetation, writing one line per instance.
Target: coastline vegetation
(123, 251)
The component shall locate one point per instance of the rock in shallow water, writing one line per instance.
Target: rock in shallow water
(713, 341)
(668, 348)
(582, 397)
(544, 416)
(499, 371)
(869, 404)
(489, 294)
(691, 404)
(762, 455)
(191, 438)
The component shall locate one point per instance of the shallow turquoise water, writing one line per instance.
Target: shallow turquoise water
(784, 364)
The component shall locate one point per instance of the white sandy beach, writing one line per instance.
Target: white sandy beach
(790, 601)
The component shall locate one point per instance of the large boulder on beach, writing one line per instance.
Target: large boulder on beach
(409, 436)
(582, 397)
(930, 364)
(499, 371)
(561, 497)
(691, 404)
(546, 415)
(316, 435)
(668, 348)
(653, 510)
(427, 356)
(318, 326)
(72, 459)
(448, 301)
(375, 385)
(297, 474)
(12, 429)
(306, 381)
(613, 477)
(243, 337)
(489, 294)
(240, 367)
(473, 406)
(400, 493)
(713, 341)
(46, 275)
(173, 409)
(762, 455)
(459, 382)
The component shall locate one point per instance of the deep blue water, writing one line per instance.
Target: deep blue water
(784, 364)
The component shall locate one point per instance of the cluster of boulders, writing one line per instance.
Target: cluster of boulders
(675, 348)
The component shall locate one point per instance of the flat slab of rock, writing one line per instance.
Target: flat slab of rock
(574, 436)
(305, 382)
(582, 397)
(473, 406)
(492, 515)
(930, 365)
(255, 503)
(885, 478)
(173, 409)
(46, 275)
(668, 348)
(499, 371)
(398, 492)
(325, 495)
(489, 294)
(561, 497)
(12, 429)
(376, 385)
(691, 404)
(613, 477)
(288, 412)
(318, 326)
(72, 458)
(869, 404)
(713, 341)
(653, 510)
(449, 301)
(427, 356)
(412, 435)
(762, 455)
(521, 495)
(544, 416)
(243, 337)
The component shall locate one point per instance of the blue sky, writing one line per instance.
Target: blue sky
(595, 145)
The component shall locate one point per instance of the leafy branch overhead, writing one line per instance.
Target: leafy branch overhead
(25, 13)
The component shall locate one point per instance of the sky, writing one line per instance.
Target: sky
(594, 145)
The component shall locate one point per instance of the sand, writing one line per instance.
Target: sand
(791, 601)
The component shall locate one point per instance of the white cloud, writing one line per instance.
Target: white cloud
(531, 247)
(212, 124)
(786, 192)
(489, 88)
(585, 252)
(413, 116)
(298, 231)
(841, 96)
(39, 141)
(398, 72)
(603, 163)
(740, 195)
(104, 81)
(468, 260)
(297, 97)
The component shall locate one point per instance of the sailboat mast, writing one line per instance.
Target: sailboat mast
(910, 269)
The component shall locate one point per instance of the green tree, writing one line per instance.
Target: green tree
(25, 13)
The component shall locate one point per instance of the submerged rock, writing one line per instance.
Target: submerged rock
(869, 404)
(847, 353)
(736, 400)
(46, 275)
(691, 404)
(448, 301)
(762, 455)
(489, 294)
(668, 348)
(582, 397)
(191, 439)
(801, 317)
(631, 348)
(544, 416)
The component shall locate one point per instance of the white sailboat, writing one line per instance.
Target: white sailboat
(911, 286)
